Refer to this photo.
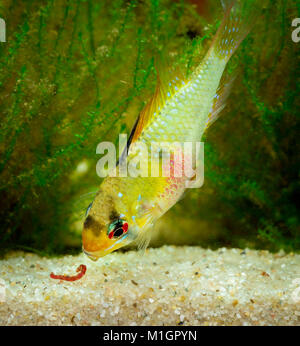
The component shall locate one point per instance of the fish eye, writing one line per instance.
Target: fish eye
(117, 229)
(118, 232)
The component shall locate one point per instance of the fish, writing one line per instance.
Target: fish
(126, 208)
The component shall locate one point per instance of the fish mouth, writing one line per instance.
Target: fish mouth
(95, 255)
(90, 255)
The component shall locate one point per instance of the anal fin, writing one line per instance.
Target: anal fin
(219, 101)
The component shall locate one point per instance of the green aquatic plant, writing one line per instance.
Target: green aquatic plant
(75, 73)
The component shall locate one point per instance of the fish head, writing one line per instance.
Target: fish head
(107, 227)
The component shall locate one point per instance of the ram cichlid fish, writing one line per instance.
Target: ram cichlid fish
(182, 108)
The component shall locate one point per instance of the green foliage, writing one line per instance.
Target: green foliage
(73, 73)
(76, 72)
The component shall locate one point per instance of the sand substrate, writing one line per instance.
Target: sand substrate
(166, 286)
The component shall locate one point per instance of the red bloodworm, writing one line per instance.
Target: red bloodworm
(81, 271)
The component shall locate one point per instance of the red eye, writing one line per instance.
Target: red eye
(125, 227)
(119, 229)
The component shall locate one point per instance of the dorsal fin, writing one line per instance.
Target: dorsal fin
(169, 82)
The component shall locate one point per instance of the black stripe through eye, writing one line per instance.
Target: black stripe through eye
(118, 232)
(113, 215)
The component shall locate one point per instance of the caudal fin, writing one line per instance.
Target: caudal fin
(238, 20)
